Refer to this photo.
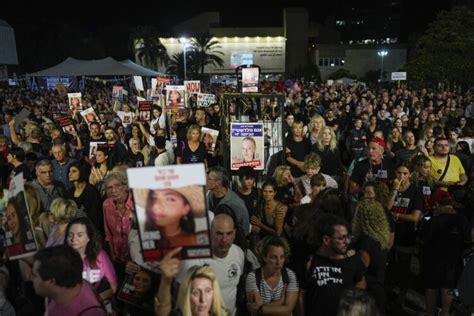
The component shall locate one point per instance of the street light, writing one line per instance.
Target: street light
(184, 41)
(382, 53)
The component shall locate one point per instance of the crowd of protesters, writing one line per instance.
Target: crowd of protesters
(367, 182)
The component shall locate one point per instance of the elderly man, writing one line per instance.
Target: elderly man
(61, 163)
(117, 209)
(374, 167)
(48, 189)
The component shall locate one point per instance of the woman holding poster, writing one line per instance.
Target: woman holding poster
(169, 211)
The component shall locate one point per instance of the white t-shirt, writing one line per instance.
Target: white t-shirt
(162, 159)
(126, 117)
(228, 271)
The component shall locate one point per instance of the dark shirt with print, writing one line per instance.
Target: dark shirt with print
(366, 171)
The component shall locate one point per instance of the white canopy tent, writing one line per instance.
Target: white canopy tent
(101, 67)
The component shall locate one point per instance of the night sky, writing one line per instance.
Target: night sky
(45, 36)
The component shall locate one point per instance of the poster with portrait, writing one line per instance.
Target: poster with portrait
(250, 79)
(139, 289)
(93, 148)
(75, 102)
(117, 93)
(89, 116)
(246, 145)
(209, 138)
(144, 110)
(61, 89)
(171, 210)
(67, 125)
(175, 97)
(19, 231)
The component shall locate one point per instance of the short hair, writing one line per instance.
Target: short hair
(297, 123)
(84, 170)
(94, 123)
(247, 172)
(42, 163)
(61, 263)
(264, 245)
(63, 148)
(18, 153)
(63, 210)
(357, 302)
(221, 174)
(110, 128)
(326, 223)
(439, 139)
(119, 176)
(312, 161)
(318, 180)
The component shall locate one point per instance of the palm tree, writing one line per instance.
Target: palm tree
(175, 64)
(206, 52)
(149, 48)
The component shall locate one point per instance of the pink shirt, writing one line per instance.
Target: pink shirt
(85, 299)
(103, 268)
(117, 227)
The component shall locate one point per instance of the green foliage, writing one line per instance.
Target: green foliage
(309, 72)
(341, 73)
(149, 48)
(205, 53)
(444, 52)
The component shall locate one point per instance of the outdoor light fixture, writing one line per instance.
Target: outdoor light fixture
(382, 53)
(184, 42)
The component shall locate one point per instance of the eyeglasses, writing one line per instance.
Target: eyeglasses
(342, 238)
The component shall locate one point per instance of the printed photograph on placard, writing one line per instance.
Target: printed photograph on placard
(246, 145)
(145, 109)
(117, 93)
(89, 116)
(19, 231)
(93, 148)
(67, 125)
(75, 101)
(139, 289)
(175, 97)
(250, 79)
(209, 138)
(171, 210)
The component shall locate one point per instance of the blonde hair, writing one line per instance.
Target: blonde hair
(314, 119)
(370, 220)
(218, 307)
(34, 204)
(278, 174)
(312, 161)
(191, 129)
(63, 210)
(332, 144)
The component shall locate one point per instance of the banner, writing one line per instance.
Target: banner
(75, 102)
(193, 86)
(246, 145)
(19, 231)
(205, 99)
(401, 75)
(171, 210)
(145, 110)
(67, 125)
(137, 80)
(139, 289)
(89, 116)
(52, 82)
(250, 79)
(209, 138)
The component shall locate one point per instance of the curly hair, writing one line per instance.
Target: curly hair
(264, 244)
(382, 192)
(370, 220)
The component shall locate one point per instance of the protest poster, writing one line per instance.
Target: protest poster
(193, 86)
(209, 138)
(117, 93)
(144, 110)
(137, 80)
(93, 148)
(20, 117)
(67, 125)
(246, 145)
(250, 79)
(205, 99)
(139, 289)
(62, 91)
(171, 210)
(75, 101)
(89, 116)
(175, 97)
(19, 231)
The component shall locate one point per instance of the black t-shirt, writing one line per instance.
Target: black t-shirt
(327, 279)
(375, 275)
(405, 203)
(384, 125)
(365, 171)
(298, 151)
(331, 163)
(251, 201)
(189, 156)
(21, 168)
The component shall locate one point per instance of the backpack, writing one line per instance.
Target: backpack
(284, 277)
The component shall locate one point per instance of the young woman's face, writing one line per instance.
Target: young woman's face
(318, 124)
(13, 220)
(248, 150)
(141, 282)
(268, 193)
(395, 133)
(425, 169)
(195, 134)
(165, 207)
(403, 174)
(275, 258)
(78, 238)
(100, 157)
(202, 295)
(73, 174)
(327, 136)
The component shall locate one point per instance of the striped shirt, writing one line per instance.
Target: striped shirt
(268, 294)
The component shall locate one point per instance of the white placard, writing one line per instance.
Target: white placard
(399, 76)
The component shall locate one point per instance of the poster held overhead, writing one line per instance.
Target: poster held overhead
(89, 116)
(19, 231)
(209, 138)
(250, 78)
(75, 102)
(137, 80)
(246, 145)
(205, 99)
(171, 210)
(193, 86)
(67, 125)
